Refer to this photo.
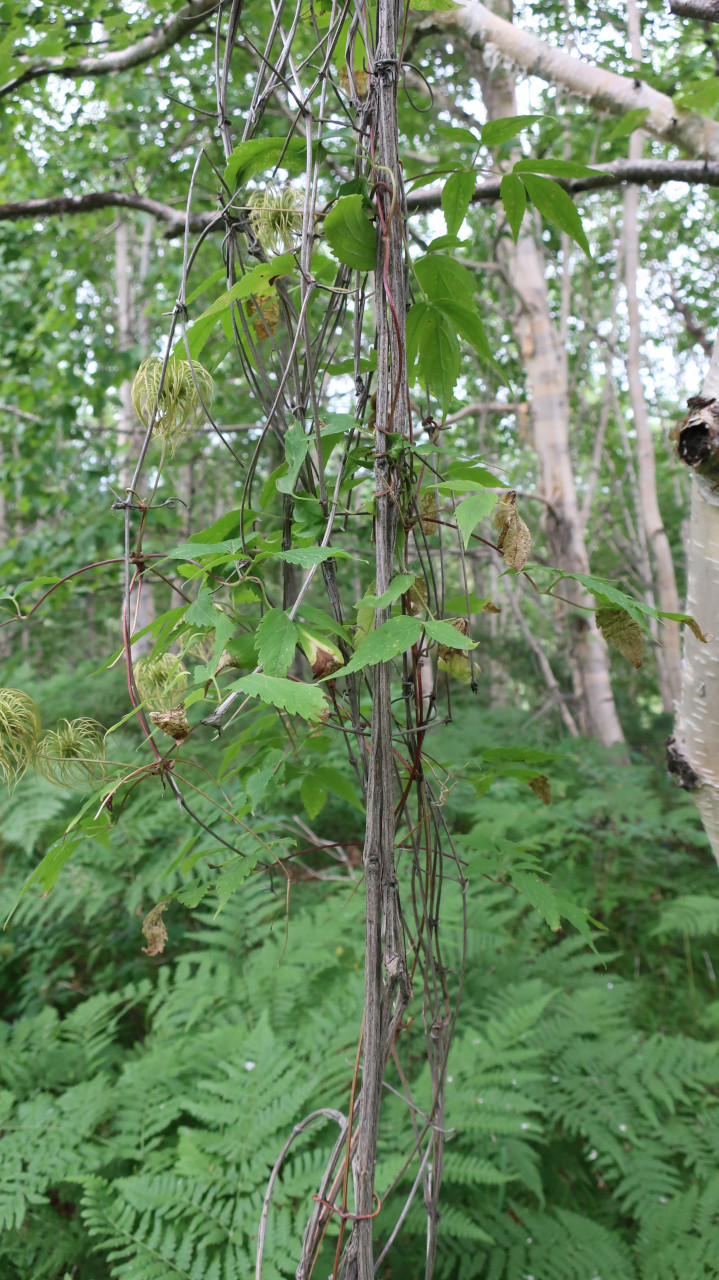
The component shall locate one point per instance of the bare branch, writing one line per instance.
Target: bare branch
(640, 172)
(162, 37)
(60, 205)
(704, 10)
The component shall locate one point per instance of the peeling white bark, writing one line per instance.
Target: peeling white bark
(605, 90)
(697, 726)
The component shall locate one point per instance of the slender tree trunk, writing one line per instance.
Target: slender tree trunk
(669, 663)
(545, 361)
(386, 994)
(131, 432)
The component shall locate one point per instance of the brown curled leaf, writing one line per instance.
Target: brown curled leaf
(153, 928)
(622, 633)
(515, 540)
(542, 788)
(174, 722)
(428, 511)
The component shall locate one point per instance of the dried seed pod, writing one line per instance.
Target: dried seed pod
(266, 312)
(175, 399)
(161, 682)
(173, 722)
(20, 729)
(276, 216)
(71, 755)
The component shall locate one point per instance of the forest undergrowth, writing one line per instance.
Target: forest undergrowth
(146, 1099)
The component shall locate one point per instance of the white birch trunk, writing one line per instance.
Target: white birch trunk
(545, 361)
(662, 564)
(694, 750)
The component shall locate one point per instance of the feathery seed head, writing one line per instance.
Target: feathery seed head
(179, 397)
(19, 732)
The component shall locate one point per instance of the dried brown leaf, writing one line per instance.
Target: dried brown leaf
(428, 511)
(622, 633)
(515, 540)
(174, 722)
(542, 788)
(153, 928)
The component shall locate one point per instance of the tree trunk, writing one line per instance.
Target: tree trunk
(545, 362)
(669, 663)
(693, 752)
(130, 430)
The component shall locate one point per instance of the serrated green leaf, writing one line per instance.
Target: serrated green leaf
(386, 642)
(606, 593)
(257, 281)
(293, 696)
(432, 338)
(444, 633)
(495, 132)
(276, 639)
(457, 194)
(350, 234)
(556, 206)
(514, 199)
(469, 325)
(201, 613)
(541, 897)
(443, 277)
(232, 878)
(308, 557)
(471, 511)
(397, 587)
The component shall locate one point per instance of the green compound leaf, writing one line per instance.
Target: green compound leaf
(386, 642)
(444, 633)
(556, 206)
(514, 199)
(350, 234)
(457, 194)
(294, 696)
(276, 638)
